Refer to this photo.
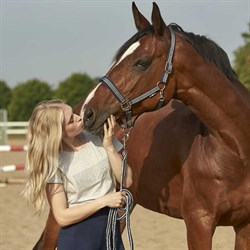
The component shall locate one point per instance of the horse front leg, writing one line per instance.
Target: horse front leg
(48, 239)
(242, 241)
(39, 243)
(200, 229)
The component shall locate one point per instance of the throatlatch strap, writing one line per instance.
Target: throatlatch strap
(168, 66)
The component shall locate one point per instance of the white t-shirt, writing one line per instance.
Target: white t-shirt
(86, 174)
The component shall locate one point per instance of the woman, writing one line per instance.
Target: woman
(77, 172)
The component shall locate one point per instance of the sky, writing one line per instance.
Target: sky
(51, 39)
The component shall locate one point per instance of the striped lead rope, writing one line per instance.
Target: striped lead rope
(113, 213)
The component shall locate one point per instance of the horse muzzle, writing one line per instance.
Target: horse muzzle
(89, 118)
(94, 123)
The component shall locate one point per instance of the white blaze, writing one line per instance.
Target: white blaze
(129, 51)
(89, 97)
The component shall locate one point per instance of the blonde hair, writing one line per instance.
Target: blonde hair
(44, 146)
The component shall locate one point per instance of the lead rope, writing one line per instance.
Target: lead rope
(113, 213)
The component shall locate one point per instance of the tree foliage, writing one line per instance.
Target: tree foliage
(242, 60)
(5, 95)
(25, 97)
(75, 88)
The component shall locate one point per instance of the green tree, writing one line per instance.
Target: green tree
(25, 96)
(5, 95)
(75, 88)
(242, 60)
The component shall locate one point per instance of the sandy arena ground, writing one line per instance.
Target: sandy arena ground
(20, 228)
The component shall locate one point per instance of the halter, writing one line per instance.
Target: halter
(127, 104)
(127, 108)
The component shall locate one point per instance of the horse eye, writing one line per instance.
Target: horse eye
(142, 64)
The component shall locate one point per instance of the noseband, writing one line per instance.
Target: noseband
(127, 104)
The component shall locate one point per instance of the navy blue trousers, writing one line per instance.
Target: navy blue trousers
(89, 234)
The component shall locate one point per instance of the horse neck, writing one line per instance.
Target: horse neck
(216, 102)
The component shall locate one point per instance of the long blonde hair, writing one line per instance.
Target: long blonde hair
(44, 147)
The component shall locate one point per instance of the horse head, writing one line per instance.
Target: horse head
(140, 78)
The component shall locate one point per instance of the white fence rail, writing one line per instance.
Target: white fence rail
(14, 128)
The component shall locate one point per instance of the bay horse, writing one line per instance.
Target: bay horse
(207, 182)
(190, 158)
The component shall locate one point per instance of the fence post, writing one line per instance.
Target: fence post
(3, 129)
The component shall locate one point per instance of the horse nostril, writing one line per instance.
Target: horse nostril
(88, 114)
(89, 118)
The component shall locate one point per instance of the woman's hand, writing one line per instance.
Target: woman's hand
(114, 199)
(115, 158)
(109, 133)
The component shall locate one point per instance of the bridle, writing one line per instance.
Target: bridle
(127, 104)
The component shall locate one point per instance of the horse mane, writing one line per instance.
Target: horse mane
(207, 49)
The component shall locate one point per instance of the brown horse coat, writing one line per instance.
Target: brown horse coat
(191, 158)
(203, 174)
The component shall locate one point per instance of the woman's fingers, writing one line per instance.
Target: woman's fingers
(113, 121)
(105, 128)
(119, 200)
(111, 124)
(123, 199)
(108, 128)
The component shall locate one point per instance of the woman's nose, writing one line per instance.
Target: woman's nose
(78, 118)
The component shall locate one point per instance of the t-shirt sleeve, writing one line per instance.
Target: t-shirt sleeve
(56, 178)
(117, 144)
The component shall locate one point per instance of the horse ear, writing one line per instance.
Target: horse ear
(157, 20)
(140, 21)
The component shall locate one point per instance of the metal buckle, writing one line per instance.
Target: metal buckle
(126, 105)
(163, 83)
(169, 68)
(125, 137)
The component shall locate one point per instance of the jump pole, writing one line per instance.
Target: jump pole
(9, 148)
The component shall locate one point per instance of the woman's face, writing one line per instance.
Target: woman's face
(73, 124)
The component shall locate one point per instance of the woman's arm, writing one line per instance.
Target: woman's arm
(114, 157)
(66, 216)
